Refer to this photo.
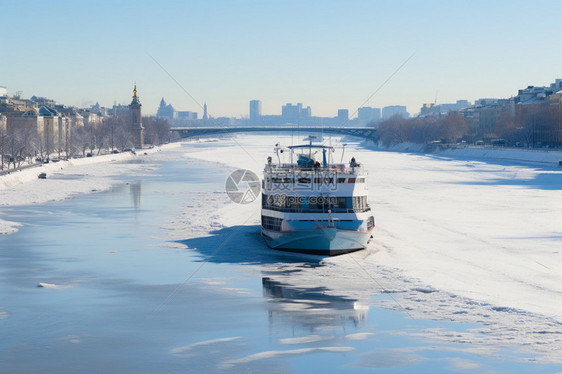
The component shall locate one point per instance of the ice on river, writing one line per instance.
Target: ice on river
(465, 235)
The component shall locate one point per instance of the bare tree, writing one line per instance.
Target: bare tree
(448, 129)
(47, 142)
(509, 128)
(79, 141)
(156, 130)
(22, 144)
(4, 141)
(395, 130)
(123, 138)
(452, 127)
(114, 133)
(530, 125)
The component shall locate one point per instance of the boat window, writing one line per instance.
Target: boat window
(360, 203)
(313, 204)
(280, 200)
(271, 223)
(325, 220)
(281, 183)
(371, 222)
(341, 202)
(341, 180)
(288, 203)
(360, 180)
(282, 180)
(351, 180)
(295, 203)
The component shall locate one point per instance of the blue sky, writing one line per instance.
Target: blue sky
(326, 54)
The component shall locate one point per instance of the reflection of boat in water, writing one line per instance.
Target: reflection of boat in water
(315, 207)
(312, 306)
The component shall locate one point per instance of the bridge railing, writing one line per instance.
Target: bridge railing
(364, 132)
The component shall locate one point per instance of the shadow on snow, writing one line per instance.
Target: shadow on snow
(543, 181)
(243, 245)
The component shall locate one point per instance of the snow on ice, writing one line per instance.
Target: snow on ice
(466, 235)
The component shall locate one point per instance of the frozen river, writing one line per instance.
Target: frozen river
(158, 271)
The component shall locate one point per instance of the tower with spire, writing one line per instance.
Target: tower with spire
(136, 119)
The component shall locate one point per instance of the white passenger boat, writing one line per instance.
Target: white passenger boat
(314, 205)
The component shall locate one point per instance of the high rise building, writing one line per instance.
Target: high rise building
(255, 110)
(395, 110)
(185, 115)
(343, 116)
(306, 112)
(205, 115)
(294, 113)
(367, 115)
(290, 112)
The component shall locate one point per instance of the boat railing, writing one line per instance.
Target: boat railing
(331, 168)
(301, 210)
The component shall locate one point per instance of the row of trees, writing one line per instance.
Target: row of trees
(447, 129)
(114, 133)
(529, 126)
(533, 126)
(16, 146)
(23, 144)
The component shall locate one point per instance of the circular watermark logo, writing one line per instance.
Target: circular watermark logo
(243, 186)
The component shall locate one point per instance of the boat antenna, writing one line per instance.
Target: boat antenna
(329, 149)
(292, 135)
(344, 144)
(310, 139)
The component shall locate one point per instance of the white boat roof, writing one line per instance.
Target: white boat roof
(309, 146)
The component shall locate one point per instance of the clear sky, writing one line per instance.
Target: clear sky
(326, 54)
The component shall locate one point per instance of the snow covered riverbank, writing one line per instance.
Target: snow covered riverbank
(66, 179)
(539, 156)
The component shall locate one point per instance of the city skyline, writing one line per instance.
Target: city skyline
(329, 55)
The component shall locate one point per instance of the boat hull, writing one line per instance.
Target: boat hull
(322, 241)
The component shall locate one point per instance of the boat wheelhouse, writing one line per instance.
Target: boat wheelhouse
(313, 206)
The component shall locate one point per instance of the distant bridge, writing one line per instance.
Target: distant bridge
(188, 132)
